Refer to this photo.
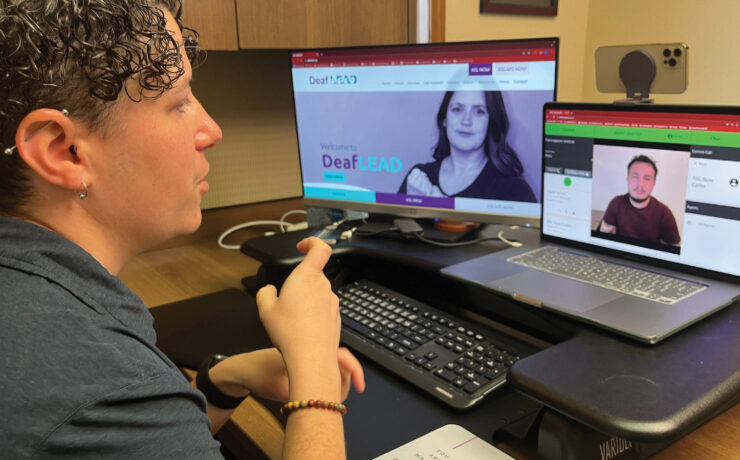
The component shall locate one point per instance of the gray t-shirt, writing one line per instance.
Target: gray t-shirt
(80, 374)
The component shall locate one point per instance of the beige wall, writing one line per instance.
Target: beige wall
(249, 95)
(709, 27)
(464, 22)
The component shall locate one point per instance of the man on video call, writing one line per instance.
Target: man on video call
(638, 215)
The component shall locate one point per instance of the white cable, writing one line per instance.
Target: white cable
(281, 223)
(241, 226)
(289, 213)
(515, 244)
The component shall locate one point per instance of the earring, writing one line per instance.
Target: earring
(9, 151)
(83, 194)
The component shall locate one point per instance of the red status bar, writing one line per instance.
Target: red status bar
(318, 59)
(660, 120)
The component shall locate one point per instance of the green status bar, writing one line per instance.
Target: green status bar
(668, 136)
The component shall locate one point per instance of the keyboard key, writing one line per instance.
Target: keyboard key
(496, 372)
(470, 387)
(354, 325)
(408, 343)
(445, 374)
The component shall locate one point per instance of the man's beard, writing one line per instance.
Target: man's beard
(639, 200)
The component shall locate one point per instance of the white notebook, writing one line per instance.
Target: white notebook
(450, 442)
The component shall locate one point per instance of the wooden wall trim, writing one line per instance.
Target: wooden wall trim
(437, 9)
(413, 26)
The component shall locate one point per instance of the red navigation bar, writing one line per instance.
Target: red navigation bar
(427, 54)
(656, 120)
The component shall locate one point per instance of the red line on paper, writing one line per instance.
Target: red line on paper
(462, 444)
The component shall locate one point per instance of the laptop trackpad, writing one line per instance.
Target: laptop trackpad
(556, 291)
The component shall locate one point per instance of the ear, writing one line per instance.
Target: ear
(44, 139)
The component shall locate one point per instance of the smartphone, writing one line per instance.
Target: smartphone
(670, 59)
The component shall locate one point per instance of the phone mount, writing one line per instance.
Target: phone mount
(637, 72)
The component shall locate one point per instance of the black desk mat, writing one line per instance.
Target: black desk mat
(225, 322)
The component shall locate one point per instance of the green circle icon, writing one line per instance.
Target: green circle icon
(567, 182)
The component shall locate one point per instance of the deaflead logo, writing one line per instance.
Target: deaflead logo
(333, 80)
(373, 163)
(318, 80)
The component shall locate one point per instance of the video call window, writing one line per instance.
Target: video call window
(639, 194)
(662, 184)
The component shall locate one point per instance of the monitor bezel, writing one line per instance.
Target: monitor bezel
(668, 108)
(413, 211)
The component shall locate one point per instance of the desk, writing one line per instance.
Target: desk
(198, 266)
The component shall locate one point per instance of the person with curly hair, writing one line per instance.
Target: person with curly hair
(102, 156)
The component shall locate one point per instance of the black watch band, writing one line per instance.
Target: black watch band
(213, 395)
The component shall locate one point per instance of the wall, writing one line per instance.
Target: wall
(708, 27)
(464, 22)
(249, 95)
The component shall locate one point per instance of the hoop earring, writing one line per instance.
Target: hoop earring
(83, 194)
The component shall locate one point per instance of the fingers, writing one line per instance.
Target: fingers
(317, 253)
(266, 296)
(420, 182)
(350, 365)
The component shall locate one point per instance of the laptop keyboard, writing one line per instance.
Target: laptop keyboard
(456, 361)
(640, 283)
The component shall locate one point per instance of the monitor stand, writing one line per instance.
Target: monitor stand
(440, 230)
(451, 230)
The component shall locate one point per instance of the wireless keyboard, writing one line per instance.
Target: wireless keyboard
(454, 360)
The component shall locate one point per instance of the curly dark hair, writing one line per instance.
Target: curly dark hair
(78, 55)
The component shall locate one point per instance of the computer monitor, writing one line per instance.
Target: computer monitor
(449, 130)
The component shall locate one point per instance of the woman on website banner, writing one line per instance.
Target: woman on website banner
(472, 157)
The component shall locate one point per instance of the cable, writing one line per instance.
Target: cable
(242, 226)
(499, 237)
(290, 213)
(515, 244)
(450, 245)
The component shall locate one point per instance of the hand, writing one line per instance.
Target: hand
(418, 183)
(606, 228)
(303, 322)
(264, 374)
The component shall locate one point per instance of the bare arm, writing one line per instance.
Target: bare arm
(263, 373)
(304, 324)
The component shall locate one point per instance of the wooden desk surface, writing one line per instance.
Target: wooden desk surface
(196, 265)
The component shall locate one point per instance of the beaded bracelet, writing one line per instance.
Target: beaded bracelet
(310, 403)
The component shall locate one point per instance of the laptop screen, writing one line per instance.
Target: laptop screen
(654, 181)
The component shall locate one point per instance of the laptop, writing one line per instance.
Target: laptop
(640, 229)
